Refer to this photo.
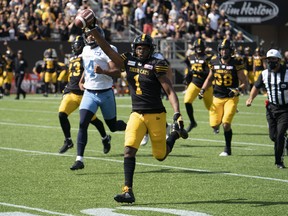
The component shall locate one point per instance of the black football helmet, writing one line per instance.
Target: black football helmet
(90, 41)
(226, 44)
(143, 39)
(247, 50)
(48, 53)
(199, 46)
(78, 45)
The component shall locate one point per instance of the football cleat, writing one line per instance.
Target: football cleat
(181, 132)
(145, 140)
(280, 166)
(106, 144)
(216, 131)
(191, 126)
(67, 145)
(226, 152)
(126, 197)
(77, 165)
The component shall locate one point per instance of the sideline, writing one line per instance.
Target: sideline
(149, 165)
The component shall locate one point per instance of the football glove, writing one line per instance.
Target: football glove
(178, 125)
(177, 118)
(201, 94)
(234, 92)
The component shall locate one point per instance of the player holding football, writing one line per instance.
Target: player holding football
(226, 71)
(146, 76)
(72, 96)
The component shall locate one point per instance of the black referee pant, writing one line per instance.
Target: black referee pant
(277, 117)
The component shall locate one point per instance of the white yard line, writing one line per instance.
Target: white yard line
(33, 209)
(146, 164)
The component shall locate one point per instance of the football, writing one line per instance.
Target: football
(84, 18)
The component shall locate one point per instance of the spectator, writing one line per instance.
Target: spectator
(239, 37)
(174, 13)
(213, 18)
(63, 30)
(201, 20)
(107, 30)
(207, 34)
(48, 17)
(148, 25)
(126, 7)
(119, 25)
(181, 28)
(22, 28)
(139, 16)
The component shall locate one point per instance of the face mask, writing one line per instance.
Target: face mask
(272, 65)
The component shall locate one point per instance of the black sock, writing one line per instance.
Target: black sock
(190, 111)
(129, 167)
(65, 124)
(228, 138)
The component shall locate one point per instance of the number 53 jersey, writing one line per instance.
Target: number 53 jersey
(225, 75)
(144, 86)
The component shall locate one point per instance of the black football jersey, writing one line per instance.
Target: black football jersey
(258, 62)
(2, 66)
(225, 75)
(198, 66)
(9, 63)
(145, 89)
(75, 71)
(50, 65)
(248, 62)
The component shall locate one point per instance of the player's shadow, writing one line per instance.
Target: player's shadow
(257, 155)
(198, 171)
(251, 134)
(201, 146)
(158, 171)
(228, 201)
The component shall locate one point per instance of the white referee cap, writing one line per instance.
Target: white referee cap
(273, 53)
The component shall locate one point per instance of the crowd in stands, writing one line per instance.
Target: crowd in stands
(173, 19)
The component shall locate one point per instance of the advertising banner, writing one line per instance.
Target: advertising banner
(255, 11)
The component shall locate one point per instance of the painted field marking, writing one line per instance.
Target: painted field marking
(148, 165)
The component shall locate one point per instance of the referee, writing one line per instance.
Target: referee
(275, 80)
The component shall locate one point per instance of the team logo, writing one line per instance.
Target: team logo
(131, 63)
(147, 66)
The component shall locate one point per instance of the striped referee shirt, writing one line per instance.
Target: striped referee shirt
(276, 84)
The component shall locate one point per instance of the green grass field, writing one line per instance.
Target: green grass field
(193, 180)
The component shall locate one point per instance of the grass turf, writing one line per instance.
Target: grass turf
(36, 180)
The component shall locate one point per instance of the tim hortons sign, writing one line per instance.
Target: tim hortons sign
(250, 11)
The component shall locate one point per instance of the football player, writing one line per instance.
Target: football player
(50, 69)
(227, 71)
(258, 63)
(146, 76)
(72, 95)
(8, 71)
(2, 68)
(98, 93)
(198, 70)
(248, 62)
